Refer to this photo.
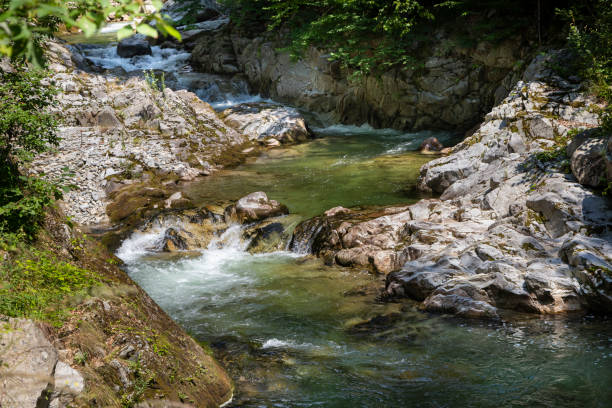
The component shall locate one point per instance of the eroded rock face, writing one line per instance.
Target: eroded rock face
(264, 121)
(452, 92)
(511, 230)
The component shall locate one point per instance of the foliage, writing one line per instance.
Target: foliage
(37, 285)
(25, 129)
(155, 82)
(143, 379)
(371, 36)
(24, 22)
(590, 36)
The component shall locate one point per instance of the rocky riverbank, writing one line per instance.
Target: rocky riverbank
(514, 227)
(127, 143)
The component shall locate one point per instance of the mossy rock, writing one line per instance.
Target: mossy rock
(133, 200)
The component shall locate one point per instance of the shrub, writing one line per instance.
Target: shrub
(590, 36)
(25, 129)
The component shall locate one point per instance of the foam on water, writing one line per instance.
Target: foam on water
(114, 27)
(276, 343)
(166, 59)
(398, 142)
(139, 244)
(236, 99)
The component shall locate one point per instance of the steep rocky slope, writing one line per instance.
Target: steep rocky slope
(116, 348)
(512, 228)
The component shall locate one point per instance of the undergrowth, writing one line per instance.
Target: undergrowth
(35, 284)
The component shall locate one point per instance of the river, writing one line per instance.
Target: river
(294, 332)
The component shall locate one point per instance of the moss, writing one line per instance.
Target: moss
(34, 283)
(528, 246)
(534, 218)
(472, 140)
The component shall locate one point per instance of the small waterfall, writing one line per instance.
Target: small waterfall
(220, 91)
(139, 244)
(166, 59)
(305, 234)
(233, 239)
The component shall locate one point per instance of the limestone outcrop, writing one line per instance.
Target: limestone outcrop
(31, 374)
(513, 229)
(117, 133)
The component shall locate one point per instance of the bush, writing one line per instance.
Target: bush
(590, 36)
(25, 129)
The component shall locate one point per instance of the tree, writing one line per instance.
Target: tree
(24, 22)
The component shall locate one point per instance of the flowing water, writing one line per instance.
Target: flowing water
(296, 333)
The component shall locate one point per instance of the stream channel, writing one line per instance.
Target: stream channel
(292, 332)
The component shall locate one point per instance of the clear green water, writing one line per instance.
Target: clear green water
(288, 328)
(347, 166)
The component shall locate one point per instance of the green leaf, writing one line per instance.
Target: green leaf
(157, 4)
(89, 27)
(169, 29)
(147, 30)
(124, 33)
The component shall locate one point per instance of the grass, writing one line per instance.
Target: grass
(35, 284)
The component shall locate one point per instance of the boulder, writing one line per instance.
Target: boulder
(257, 206)
(31, 376)
(265, 122)
(267, 238)
(173, 240)
(133, 46)
(68, 384)
(106, 118)
(588, 162)
(431, 144)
